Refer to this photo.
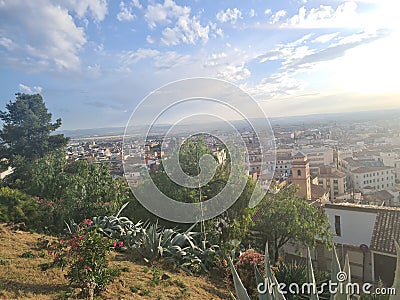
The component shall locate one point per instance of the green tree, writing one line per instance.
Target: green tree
(27, 133)
(233, 224)
(27, 128)
(284, 217)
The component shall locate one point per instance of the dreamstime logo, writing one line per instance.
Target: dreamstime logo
(198, 106)
(342, 286)
(341, 276)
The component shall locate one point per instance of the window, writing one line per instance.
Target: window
(335, 181)
(298, 172)
(338, 230)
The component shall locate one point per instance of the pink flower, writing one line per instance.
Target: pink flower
(115, 244)
(252, 262)
(88, 222)
(121, 244)
(88, 268)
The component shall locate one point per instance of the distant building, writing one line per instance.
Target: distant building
(318, 157)
(302, 177)
(283, 167)
(333, 180)
(365, 179)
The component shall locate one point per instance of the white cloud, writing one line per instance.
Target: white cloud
(94, 71)
(160, 60)
(187, 30)
(182, 27)
(125, 13)
(325, 16)
(277, 85)
(96, 8)
(276, 17)
(325, 38)
(149, 39)
(252, 13)
(234, 73)
(335, 51)
(7, 43)
(230, 15)
(137, 4)
(26, 89)
(40, 36)
(287, 52)
(267, 11)
(170, 59)
(215, 59)
(132, 57)
(158, 13)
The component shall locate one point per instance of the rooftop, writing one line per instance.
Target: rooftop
(370, 169)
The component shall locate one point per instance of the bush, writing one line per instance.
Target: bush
(18, 207)
(84, 253)
(245, 268)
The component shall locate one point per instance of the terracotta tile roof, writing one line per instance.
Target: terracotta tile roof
(317, 192)
(386, 229)
(380, 195)
(334, 174)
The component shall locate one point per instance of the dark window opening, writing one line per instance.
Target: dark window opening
(337, 226)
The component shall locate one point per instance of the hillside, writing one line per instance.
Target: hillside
(21, 253)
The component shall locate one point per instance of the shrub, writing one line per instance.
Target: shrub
(84, 253)
(18, 207)
(245, 267)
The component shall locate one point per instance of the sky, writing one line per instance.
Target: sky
(93, 61)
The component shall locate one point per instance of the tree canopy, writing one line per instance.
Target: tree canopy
(27, 129)
(284, 217)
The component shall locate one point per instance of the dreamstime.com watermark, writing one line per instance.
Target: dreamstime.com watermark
(339, 287)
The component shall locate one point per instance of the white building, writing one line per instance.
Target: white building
(365, 179)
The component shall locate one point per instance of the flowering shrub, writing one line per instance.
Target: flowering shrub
(245, 267)
(84, 254)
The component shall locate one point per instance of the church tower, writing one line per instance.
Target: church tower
(301, 175)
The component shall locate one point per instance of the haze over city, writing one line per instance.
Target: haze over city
(94, 61)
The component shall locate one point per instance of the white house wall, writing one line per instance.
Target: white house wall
(356, 226)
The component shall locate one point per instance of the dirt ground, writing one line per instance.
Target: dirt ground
(22, 278)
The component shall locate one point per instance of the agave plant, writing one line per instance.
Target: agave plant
(181, 248)
(268, 287)
(121, 228)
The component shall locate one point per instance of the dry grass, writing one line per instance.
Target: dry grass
(22, 278)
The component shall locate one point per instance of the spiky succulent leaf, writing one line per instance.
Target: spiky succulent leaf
(241, 292)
